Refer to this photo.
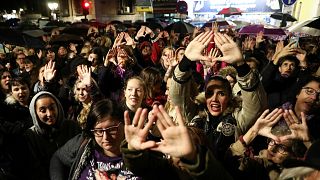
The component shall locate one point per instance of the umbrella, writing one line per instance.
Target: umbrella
(230, 11)
(180, 27)
(80, 29)
(97, 24)
(303, 29)
(283, 16)
(151, 24)
(315, 23)
(34, 33)
(267, 30)
(66, 39)
(240, 24)
(10, 36)
(220, 23)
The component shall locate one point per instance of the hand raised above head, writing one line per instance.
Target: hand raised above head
(196, 46)
(230, 50)
(49, 71)
(84, 74)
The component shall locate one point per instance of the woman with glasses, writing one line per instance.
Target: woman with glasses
(96, 152)
(267, 164)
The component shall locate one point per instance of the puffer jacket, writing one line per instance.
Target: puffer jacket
(235, 120)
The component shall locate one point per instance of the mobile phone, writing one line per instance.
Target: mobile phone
(295, 40)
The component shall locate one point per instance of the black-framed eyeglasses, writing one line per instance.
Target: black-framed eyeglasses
(112, 130)
(310, 91)
(282, 149)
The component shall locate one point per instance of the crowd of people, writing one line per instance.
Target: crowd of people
(150, 104)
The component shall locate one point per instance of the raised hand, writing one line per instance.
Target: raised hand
(118, 40)
(149, 31)
(136, 132)
(230, 50)
(129, 40)
(214, 53)
(215, 27)
(49, 71)
(176, 140)
(299, 130)
(279, 46)
(39, 54)
(286, 51)
(84, 74)
(196, 46)
(265, 122)
(259, 38)
(141, 32)
(111, 57)
(247, 44)
(301, 56)
(171, 58)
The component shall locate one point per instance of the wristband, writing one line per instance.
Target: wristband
(242, 141)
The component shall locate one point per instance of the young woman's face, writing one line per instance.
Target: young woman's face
(28, 66)
(134, 94)
(47, 110)
(216, 98)
(93, 58)
(21, 93)
(81, 93)
(109, 134)
(51, 55)
(41, 74)
(146, 51)
(180, 54)
(277, 153)
(5, 79)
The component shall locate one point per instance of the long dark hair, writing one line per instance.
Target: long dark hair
(100, 110)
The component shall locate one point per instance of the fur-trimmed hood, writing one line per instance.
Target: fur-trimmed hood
(10, 100)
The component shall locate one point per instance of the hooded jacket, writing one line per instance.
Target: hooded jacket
(44, 140)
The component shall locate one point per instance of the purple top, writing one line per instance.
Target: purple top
(110, 165)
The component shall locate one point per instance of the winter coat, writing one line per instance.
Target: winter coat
(154, 165)
(76, 155)
(248, 166)
(43, 140)
(280, 89)
(14, 121)
(234, 121)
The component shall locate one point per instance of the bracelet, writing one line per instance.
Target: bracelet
(242, 141)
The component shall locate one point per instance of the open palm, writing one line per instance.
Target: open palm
(176, 140)
(230, 50)
(136, 132)
(49, 71)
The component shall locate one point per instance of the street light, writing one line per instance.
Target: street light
(53, 6)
